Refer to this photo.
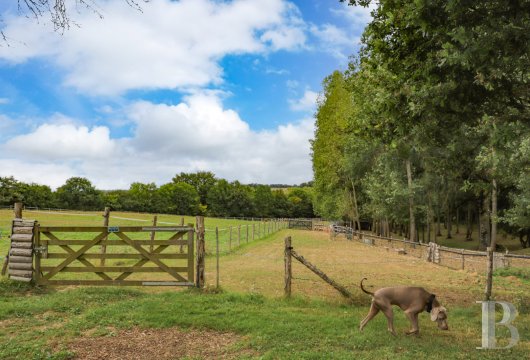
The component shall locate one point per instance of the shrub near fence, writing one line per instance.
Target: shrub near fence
(459, 259)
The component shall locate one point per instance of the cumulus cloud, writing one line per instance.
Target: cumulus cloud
(170, 45)
(306, 103)
(335, 40)
(63, 141)
(197, 134)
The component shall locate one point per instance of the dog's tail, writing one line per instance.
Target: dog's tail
(364, 290)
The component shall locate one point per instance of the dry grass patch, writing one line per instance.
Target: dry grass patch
(137, 344)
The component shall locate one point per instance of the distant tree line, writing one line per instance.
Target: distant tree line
(199, 193)
(430, 124)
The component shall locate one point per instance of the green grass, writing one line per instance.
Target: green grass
(274, 328)
(77, 218)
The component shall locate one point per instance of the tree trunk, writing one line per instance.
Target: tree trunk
(448, 221)
(457, 231)
(356, 207)
(438, 220)
(469, 229)
(411, 202)
(484, 221)
(489, 278)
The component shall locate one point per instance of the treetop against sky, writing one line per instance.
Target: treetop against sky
(223, 86)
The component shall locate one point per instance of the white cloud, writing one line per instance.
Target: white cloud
(306, 103)
(63, 141)
(334, 40)
(358, 16)
(197, 134)
(4, 101)
(171, 44)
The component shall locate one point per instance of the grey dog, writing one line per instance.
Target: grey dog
(412, 300)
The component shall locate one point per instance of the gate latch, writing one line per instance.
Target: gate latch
(42, 250)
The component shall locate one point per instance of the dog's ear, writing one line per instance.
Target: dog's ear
(434, 313)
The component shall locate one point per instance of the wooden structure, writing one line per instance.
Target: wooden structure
(20, 257)
(300, 224)
(128, 256)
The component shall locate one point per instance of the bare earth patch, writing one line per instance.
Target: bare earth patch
(170, 343)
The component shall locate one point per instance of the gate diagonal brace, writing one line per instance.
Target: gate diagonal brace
(75, 255)
(142, 262)
(149, 257)
(80, 258)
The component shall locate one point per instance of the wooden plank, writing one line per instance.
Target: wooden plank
(114, 282)
(21, 266)
(20, 278)
(23, 230)
(113, 242)
(72, 257)
(148, 256)
(20, 259)
(21, 252)
(22, 237)
(21, 245)
(22, 273)
(23, 223)
(97, 229)
(120, 269)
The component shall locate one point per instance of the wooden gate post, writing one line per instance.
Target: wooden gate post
(288, 267)
(106, 215)
(201, 253)
(153, 233)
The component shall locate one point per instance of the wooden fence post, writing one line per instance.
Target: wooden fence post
(106, 216)
(247, 233)
(217, 255)
(153, 236)
(201, 253)
(239, 235)
(18, 210)
(253, 231)
(463, 260)
(288, 267)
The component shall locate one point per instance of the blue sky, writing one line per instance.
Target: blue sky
(224, 86)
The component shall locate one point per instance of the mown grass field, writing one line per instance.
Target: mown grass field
(250, 318)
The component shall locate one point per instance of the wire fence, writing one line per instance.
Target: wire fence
(460, 259)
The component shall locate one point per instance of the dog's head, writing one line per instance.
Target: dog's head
(439, 314)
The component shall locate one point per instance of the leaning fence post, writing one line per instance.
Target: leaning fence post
(288, 267)
(201, 252)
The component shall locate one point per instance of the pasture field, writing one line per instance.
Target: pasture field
(249, 318)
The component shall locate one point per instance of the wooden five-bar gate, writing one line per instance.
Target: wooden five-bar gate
(112, 255)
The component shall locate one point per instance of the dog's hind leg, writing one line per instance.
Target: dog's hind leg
(374, 310)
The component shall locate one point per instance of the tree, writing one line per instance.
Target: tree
(202, 181)
(178, 198)
(78, 193)
(9, 190)
(263, 200)
(230, 199)
(143, 197)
